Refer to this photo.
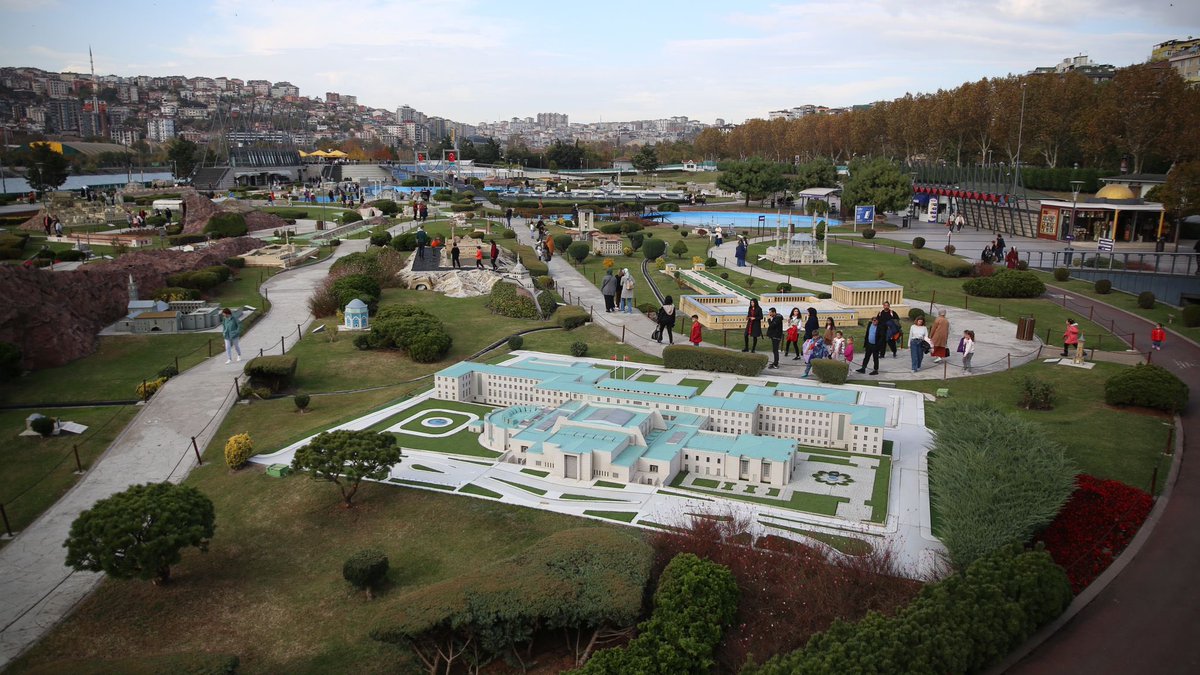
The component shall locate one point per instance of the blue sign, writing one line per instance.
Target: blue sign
(864, 215)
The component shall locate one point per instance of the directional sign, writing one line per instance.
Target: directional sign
(1104, 245)
(864, 215)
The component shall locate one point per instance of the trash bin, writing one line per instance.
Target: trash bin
(1160, 245)
(904, 221)
(1025, 328)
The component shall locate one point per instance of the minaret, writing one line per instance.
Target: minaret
(133, 292)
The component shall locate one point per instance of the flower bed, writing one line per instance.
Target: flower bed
(1094, 527)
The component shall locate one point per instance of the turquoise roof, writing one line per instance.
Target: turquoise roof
(675, 390)
(356, 305)
(744, 445)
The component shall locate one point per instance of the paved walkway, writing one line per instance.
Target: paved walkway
(36, 589)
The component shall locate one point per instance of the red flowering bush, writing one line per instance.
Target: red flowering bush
(1094, 526)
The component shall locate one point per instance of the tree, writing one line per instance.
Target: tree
(680, 248)
(877, 182)
(345, 458)
(653, 248)
(182, 153)
(646, 159)
(141, 532)
(47, 168)
(1180, 194)
(754, 177)
(817, 173)
(578, 251)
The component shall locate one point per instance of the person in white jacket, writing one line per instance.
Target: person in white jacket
(968, 349)
(918, 339)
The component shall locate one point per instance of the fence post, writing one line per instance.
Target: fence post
(1010, 360)
(945, 367)
(196, 449)
(210, 347)
(966, 301)
(1149, 355)
(1091, 311)
(4, 516)
(591, 312)
(622, 341)
(1133, 341)
(298, 333)
(260, 351)
(1047, 336)
(1153, 481)
(932, 297)
(78, 465)
(724, 338)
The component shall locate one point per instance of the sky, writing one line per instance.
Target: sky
(481, 61)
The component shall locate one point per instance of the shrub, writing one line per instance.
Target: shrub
(823, 295)
(830, 371)
(1036, 394)
(994, 478)
(173, 293)
(1102, 286)
(185, 239)
(10, 360)
(148, 388)
(515, 342)
(1191, 316)
(1061, 274)
(168, 372)
(961, 624)
(413, 330)
(918, 242)
(358, 286)
(301, 401)
(710, 262)
(749, 282)
(507, 300)
(364, 342)
(561, 242)
(783, 287)
(350, 217)
(630, 227)
(274, 372)
(675, 227)
(668, 207)
(653, 248)
(579, 251)
(679, 248)
(386, 206)
(684, 234)
(1023, 265)
(381, 238)
(915, 313)
(570, 317)
(636, 239)
(1094, 527)
(714, 360)
(366, 570)
(695, 601)
(868, 233)
(647, 308)
(982, 269)
(405, 241)
(1006, 283)
(70, 255)
(235, 262)
(611, 228)
(200, 280)
(941, 264)
(238, 450)
(725, 275)
(949, 249)
(507, 233)
(430, 347)
(545, 282)
(43, 425)
(335, 242)
(579, 349)
(1145, 300)
(1148, 386)
(223, 225)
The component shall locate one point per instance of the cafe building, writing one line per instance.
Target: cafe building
(1115, 212)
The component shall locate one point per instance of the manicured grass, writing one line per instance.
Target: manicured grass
(415, 425)
(1170, 317)
(607, 484)
(586, 498)
(473, 489)
(686, 496)
(750, 489)
(847, 545)
(461, 443)
(622, 516)
(706, 483)
(772, 492)
(1104, 441)
(830, 460)
(272, 575)
(422, 467)
(601, 345)
(38, 471)
(740, 387)
(651, 523)
(879, 492)
(535, 472)
(647, 378)
(426, 406)
(700, 385)
(528, 488)
(422, 484)
(727, 486)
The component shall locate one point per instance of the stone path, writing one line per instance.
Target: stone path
(36, 589)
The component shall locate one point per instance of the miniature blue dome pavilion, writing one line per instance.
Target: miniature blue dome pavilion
(356, 315)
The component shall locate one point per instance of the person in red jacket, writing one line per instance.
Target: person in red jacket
(696, 336)
(1158, 336)
(1070, 337)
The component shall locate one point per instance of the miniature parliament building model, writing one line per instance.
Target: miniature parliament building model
(578, 422)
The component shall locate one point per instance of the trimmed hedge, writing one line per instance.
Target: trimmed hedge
(696, 599)
(185, 239)
(507, 300)
(1149, 386)
(235, 262)
(1146, 300)
(386, 206)
(941, 264)
(1103, 286)
(224, 225)
(1006, 283)
(579, 349)
(275, 372)
(868, 233)
(411, 329)
(962, 624)
(516, 342)
(830, 371)
(714, 360)
(1191, 316)
(238, 450)
(570, 317)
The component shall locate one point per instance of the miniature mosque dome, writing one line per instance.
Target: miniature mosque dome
(1115, 191)
(356, 315)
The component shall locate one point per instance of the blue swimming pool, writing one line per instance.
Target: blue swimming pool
(741, 220)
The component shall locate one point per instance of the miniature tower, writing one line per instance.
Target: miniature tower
(133, 289)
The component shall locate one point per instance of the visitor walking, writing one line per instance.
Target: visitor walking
(792, 341)
(839, 347)
(454, 253)
(1070, 336)
(495, 254)
(478, 257)
(697, 337)
(889, 320)
(617, 294)
(939, 334)
(627, 283)
(848, 350)
(754, 319)
(873, 344)
(739, 252)
(666, 320)
(811, 324)
(918, 342)
(422, 240)
(967, 347)
(508, 214)
(608, 288)
(1157, 336)
(231, 331)
(549, 245)
(775, 334)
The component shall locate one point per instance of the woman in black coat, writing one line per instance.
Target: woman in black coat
(812, 324)
(754, 319)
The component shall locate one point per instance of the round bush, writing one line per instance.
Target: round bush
(1103, 286)
(235, 262)
(335, 242)
(516, 342)
(1061, 274)
(1191, 316)
(919, 242)
(783, 287)
(351, 217)
(10, 360)
(1149, 386)
(386, 206)
(363, 342)
(508, 234)
(381, 238)
(868, 233)
(43, 425)
(366, 570)
(710, 262)
(674, 227)
(545, 282)
(749, 282)
(653, 248)
(950, 249)
(1006, 283)
(668, 207)
(1146, 300)
(301, 401)
(611, 228)
(168, 371)
(360, 286)
(916, 313)
(1023, 265)
(430, 347)
(561, 242)
(579, 349)
(238, 450)
(724, 275)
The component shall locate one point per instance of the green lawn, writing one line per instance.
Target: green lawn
(462, 442)
(588, 498)
(422, 467)
(1128, 446)
(421, 484)
(1169, 316)
(38, 471)
(706, 483)
(799, 501)
(473, 489)
(270, 588)
(880, 490)
(622, 516)
(535, 472)
(528, 488)
(607, 484)
(700, 385)
(601, 344)
(830, 460)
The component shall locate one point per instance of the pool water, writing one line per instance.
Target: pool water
(742, 220)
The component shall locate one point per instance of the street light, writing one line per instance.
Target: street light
(1076, 186)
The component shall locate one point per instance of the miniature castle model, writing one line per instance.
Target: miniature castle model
(356, 316)
(575, 421)
(157, 316)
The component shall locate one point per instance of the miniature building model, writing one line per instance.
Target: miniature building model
(357, 316)
(156, 316)
(572, 419)
(606, 244)
(728, 311)
(798, 249)
(587, 222)
(868, 296)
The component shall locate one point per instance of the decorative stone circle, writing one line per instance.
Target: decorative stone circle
(833, 478)
(436, 422)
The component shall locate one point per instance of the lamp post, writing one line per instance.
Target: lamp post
(1076, 185)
